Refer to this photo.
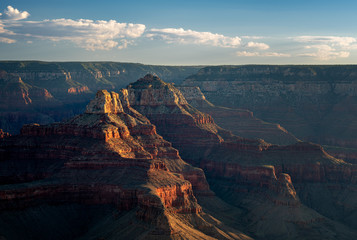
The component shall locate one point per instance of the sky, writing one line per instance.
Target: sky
(180, 32)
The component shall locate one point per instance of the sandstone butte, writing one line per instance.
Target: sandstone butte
(47, 92)
(105, 174)
(287, 191)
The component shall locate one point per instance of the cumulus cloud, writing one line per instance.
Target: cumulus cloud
(257, 45)
(97, 44)
(14, 14)
(7, 40)
(105, 35)
(326, 47)
(325, 52)
(2, 30)
(259, 54)
(88, 34)
(180, 35)
(82, 29)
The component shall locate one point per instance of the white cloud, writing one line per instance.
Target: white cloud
(256, 45)
(97, 44)
(332, 40)
(180, 35)
(14, 14)
(125, 43)
(324, 52)
(351, 47)
(253, 37)
(88, 34)
(2, 30)
(258, 54)
(7, 40)
(326, 47)
(247, 54)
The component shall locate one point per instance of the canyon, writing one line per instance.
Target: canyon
(244, 171)
(314, 103)
(46, 92)
(178, 160)
(110, 169)
(241, 122)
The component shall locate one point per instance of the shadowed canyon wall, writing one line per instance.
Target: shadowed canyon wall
(315, 103)
(45, 92)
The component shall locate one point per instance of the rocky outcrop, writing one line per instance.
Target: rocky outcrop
(4, 134)
(165, 105)
(105, 102)
(78, 90)
(54, 91)
(16, 94)
(110, 155)
(347, 154)
(244, 171)
(178, 121)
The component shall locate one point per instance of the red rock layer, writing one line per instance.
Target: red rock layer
(4, 134)
(78, 90)
(240, 121)
(175, 119)
(60, 129)
(177, 196)
(348, 155)
(15, 94)
(248, 173)
(100, 157)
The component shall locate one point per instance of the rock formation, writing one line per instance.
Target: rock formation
(110, 169)
(16, 94)
(47, 92)
(240, 121)
(122, 180)
(347, 154)
(4, 134)
(22, 103)
(248, 173)
(315, 103)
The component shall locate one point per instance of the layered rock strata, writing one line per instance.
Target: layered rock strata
(166, 107)
(16, 94)
(242, 171)
(109, 156)
(47, 92)
(315, 103)
(241, 122)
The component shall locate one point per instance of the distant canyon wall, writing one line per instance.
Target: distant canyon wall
(315, 103)
(44, 92)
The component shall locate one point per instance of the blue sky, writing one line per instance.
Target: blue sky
(180, 33)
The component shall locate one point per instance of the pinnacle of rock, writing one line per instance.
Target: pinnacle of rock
(105, 102)
(148, 81)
